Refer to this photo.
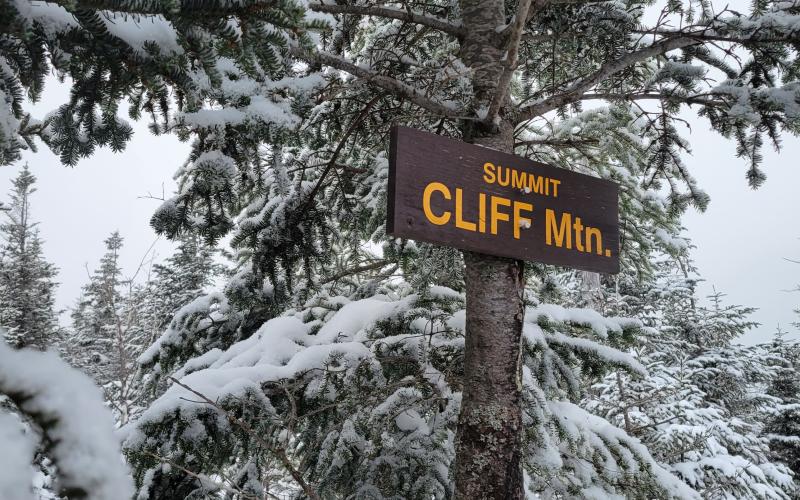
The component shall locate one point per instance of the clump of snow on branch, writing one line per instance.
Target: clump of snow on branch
(78, 429)
(15, 460)
(350, 338)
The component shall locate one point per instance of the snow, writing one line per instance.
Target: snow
(9, 124)
(609, 354)
(51, 17)
(444, 292)
(81, 428)
(670, 241)
(598, 433)
(260, 109)
(212, 302)
(599, 324)
(15, 460)
(136, 30)
(283, 348)
(216, 167)
(355, 316)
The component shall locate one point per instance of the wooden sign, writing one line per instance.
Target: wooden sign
(474, 198)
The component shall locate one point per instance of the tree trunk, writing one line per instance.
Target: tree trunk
(489, 440)
(488, 453)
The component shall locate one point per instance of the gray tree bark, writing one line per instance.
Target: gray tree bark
(489, 439)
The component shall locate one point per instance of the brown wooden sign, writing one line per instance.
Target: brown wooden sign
(473, 198)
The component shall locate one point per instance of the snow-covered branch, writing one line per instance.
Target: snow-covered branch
(704, 100)
(77, 427)
(707, 35)
(396, 87)
(391, 13)
(278, 451)
(573, 92)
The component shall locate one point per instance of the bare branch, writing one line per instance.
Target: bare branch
(707, 35)
(396, 87)
(574, 92)
(694, 99)
(512, 54)
(356, 270)
(410, 17)
(278, 451)
(557, 142)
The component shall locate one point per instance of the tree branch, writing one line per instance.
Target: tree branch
(650, 96)
(389, 84)
(356, 270)
(332, 163)
(201, 477)
(542, 4)
(390, 13)
(574, 92)
(708, 35)
(512, 55)
(557, 142)
(279, 452)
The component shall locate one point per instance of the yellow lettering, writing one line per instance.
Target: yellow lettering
(593, 231)
(482, 212)
(555, 187)
(488, 172)
(498, 216)
(500, 176)
(536, 184)
(518, 180)
(558, 232)
(460, 222)
(578, 233)
(519, 206)
(439, 220)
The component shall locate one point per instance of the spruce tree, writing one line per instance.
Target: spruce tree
(27, 286)
(106, 337)
(782, 425)
(699, 410)
(180, 279)
(289, 108)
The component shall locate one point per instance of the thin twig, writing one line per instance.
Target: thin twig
(396, 87)
(279, 452)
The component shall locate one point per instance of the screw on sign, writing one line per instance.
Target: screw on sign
(473, 198)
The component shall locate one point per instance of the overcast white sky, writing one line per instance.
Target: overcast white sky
(80, 207)
(743, 239)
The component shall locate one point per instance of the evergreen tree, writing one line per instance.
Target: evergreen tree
(96, 317)
(116, 318)
(181, 278)
(106, 337)
(27, 286)
(289, 107)
(697, 410)
(782, 426)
